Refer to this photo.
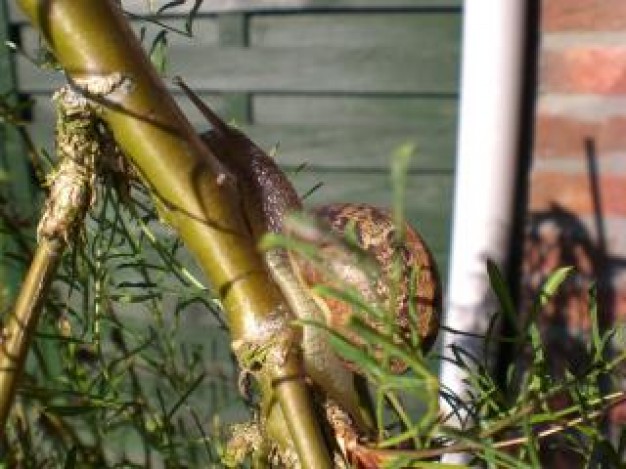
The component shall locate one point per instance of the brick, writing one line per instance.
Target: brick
(619, 306)
(572, 192)
(584, 69)
(592, 107)
(615, 239)
(587, 15)
(559, 136)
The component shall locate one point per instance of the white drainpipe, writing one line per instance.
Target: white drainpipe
(488, 142)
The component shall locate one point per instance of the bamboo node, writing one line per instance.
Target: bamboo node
(101, 85)
(267, 346)
(245, 439)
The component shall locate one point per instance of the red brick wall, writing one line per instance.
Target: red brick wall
(580, 137)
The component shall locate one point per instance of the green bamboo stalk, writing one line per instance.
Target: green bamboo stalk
(20, 324)
(93, 39)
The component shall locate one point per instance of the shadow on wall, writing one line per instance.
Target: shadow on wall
(557, 237)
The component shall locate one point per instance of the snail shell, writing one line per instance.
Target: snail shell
(267, 198)
(372, 229)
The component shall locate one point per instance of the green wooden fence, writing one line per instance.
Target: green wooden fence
(15, 183)
(339, 85)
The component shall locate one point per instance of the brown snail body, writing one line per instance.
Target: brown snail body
(267, 198)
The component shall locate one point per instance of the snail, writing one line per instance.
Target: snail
(267, 200)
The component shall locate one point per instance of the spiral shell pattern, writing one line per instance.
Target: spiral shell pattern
(373, 231)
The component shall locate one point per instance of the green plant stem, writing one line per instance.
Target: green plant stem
(93, 39)
(19, 325)
(465, 446)
(302, 420)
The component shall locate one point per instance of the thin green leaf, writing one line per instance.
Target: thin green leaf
(70, 411)
(347, 349)
(502, 293)
(185, 395)
(192, 16)
(311, 191)
(552, 284)
(354, 298)
(158, 52)
(71, 458)
(596, 339)
(399, 169)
